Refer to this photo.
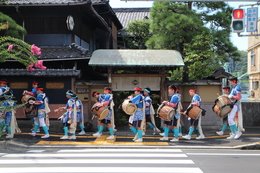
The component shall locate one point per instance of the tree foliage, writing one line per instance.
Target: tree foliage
(13, 30)
(241, 67)
(21, 51)
(12, 47)
(137, 34)
(201, 35)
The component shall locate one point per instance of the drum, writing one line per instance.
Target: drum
(100, 112)
(30, 110)
(193, 112)
(165, 112)
(128, 107)
(222, 106)
(26, 98)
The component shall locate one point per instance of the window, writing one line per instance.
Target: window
(255, 85)
(252, 58)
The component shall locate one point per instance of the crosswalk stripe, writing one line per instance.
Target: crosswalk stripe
(222, 154)
(123, 150)
(103, 169)
(35, 151)
(98, 161)
(99, 155)
(121, 160)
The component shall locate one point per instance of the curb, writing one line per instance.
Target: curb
(17, 145)
(12, 145)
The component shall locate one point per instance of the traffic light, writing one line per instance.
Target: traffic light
(238, 20)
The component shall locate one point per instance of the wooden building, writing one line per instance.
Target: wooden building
(68, 32)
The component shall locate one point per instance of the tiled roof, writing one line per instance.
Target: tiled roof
(46, 2)
(38, 72)
(136, 58)
(127, 15)
(43, 2)
(220, 73)
(58, 52)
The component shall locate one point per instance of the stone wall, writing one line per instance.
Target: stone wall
(251, 113)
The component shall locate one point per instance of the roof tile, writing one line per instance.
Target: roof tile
(128, 15)
(38, 72)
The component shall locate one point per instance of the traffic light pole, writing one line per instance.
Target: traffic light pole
(258, 3)
(247, 35)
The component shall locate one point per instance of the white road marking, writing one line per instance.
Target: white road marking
(96, 155)
(35, 151)
(221, 154)
(99, 161)
(123, 150)
(103, 169)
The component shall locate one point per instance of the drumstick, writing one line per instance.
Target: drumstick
(218, 94)
(93, 116)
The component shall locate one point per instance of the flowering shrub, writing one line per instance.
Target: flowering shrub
(13, 48)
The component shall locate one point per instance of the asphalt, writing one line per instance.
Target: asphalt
(250, 139)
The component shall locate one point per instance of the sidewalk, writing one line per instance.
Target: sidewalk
(250, 139)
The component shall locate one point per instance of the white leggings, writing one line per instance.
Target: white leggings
(39, 121)
(231, 116)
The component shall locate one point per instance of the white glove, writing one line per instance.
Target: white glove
(61, 118)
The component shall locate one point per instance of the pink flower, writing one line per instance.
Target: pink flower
(39, 65)
(30, 68)
(42, 67)
(35, 50)
(10, 47)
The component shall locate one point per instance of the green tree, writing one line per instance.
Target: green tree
(12, 47)
(13, 29)
(137, 34)
(201, 35)
(241, 67)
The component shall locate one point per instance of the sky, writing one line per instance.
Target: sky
(240, 42)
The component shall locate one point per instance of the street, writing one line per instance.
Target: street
(127, 160)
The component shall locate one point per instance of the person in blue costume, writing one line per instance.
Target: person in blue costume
(80, 119)
(196, 101)
(179, 109)
(138, 117)
(66, 118)
(226, 91)
(43, 109)
(97, 97)
(235, 94)
(9, 115)
(149, 111)
(106, 100)
(173, 123)
(4, 88)
(34, 94)
(34, 91)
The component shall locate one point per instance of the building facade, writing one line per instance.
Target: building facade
(254, 67)
(68, 32)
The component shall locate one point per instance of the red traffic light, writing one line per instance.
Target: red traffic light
(238, 13)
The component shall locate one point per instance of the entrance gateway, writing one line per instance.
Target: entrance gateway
(127, 69)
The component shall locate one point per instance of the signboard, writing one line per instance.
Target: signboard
(129, 83)
(82, 90)
(54, 85)
(252, 17)
(19, 85)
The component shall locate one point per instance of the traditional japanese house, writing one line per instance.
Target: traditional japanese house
(67, 31)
